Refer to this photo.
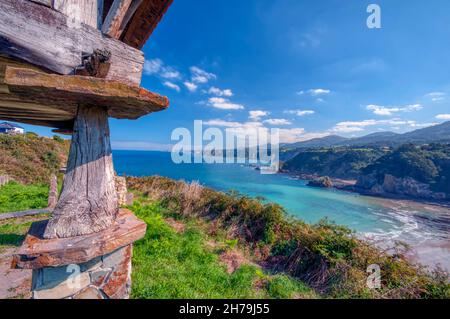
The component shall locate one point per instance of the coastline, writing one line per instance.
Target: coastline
(349, 185)
(430, 253)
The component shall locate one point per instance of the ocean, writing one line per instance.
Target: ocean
(426, 228)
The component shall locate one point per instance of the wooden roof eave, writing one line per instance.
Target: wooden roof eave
(34, 97)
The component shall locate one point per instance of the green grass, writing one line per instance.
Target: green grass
(13, 231)
(284, 287)
(12, 234)
(17, 197)
(167, 265)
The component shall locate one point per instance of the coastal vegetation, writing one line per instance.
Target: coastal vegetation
(421, 164)
(30, 158)
(429, 164)
(339, 162)
(17, 197)
(326, 257)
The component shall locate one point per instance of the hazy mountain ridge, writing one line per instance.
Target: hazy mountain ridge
(437, 133)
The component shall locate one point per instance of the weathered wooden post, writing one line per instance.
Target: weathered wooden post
(71, 64)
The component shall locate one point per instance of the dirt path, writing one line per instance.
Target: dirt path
(14, 283)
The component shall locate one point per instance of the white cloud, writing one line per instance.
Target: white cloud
(157, 67)
(315, 92)
(419, 125)
(192, 87)
(201, 76)
(172, 86)
(287, 135)
(153, 66)
(359, 126)
(443, 116)
(436, 96)
(387, 111)
(300, 112)
(257, 114)
(277, 122)
(224, 104)
(216, 91)
(170, 73)
(231, 124)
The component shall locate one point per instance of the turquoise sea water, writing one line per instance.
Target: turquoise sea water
(379, 219)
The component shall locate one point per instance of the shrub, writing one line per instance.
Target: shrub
(17, 197)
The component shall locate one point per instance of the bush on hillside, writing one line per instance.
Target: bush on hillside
(31, 159)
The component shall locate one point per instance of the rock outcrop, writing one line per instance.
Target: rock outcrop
(324, 182)
(406, 186)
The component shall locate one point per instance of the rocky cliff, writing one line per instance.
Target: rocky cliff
(404, 186)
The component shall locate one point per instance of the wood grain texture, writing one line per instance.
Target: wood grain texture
(112, 26)
(48, 3)
(37, 252)
(47, 38)
(89, 12)
(144, 22)
(88, 201)
(34, 95)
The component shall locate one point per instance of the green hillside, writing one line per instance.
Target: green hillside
(30, 158)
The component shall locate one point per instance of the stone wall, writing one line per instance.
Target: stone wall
(5, 179)
(105, 277)
(121, 189)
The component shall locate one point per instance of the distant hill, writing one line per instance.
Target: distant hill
(437, 133)
(341, 162)
(432, 134)
(319, 142)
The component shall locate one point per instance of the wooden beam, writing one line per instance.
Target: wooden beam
(88, 201)
(144, 22)
(48, 3)
(37, 252)
(113, 21)
(47, 38)
(89, 12)
(40, 96)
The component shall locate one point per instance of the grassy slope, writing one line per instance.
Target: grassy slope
(16, 197)
(30, 158)
(167, 264)
(325, 256)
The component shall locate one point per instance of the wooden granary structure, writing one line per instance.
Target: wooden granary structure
(69, 65)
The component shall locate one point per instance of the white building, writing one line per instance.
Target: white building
(9, 128)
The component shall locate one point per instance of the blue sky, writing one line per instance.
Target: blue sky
(310, 68)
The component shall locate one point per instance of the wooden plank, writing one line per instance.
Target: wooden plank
(85, 11)
(113, 21)
(47, 3)
(144, 22)
(25, 213)
(47, 38)
(37, 252)
(42, 96)
(135, 4)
